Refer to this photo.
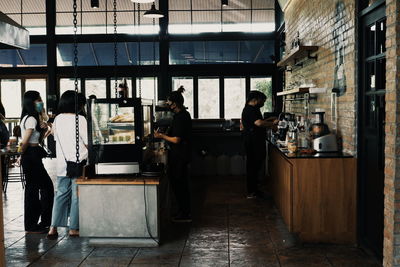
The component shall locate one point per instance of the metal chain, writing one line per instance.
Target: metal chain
(139, 52)
(154, 62)
(115, 49)
(75, 21)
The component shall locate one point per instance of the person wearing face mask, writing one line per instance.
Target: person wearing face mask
(179, 137)
(39, 190)
(253, 131)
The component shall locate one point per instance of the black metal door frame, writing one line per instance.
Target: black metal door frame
(368, 16)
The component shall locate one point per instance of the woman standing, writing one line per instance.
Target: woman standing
(66, 200)
(39, 190)
(179, 138)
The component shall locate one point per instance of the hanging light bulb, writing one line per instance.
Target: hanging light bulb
(153, 13)
(224, 2)
(94, 3)
(142, 1)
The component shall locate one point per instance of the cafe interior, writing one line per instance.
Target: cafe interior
(329, 192)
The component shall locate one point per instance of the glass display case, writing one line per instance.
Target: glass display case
(117, 130)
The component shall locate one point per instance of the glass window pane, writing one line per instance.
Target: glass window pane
(37, 85)
(221, 52)
(234, 97)
(370, 40)
(208, 98)
(119, 81)
(263, 84)
(186, 82)
(149, 87)
(11, 97)
(68, 84)
(381, 37)
(96, 87)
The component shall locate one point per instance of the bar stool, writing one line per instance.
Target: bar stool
(14, 176)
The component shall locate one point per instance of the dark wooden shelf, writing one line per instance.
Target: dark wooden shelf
(301, 51)
(293, 91)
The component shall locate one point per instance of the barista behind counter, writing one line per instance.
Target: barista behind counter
(253, 126)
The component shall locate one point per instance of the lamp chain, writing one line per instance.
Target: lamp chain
(75, 22)
(115, 49)
(139, 52)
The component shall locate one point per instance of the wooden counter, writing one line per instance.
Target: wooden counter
(136, 180)
(117, 211)
(316, 196)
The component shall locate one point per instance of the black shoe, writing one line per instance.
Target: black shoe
(182, 218)
(37, 230)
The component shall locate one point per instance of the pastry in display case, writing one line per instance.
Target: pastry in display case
(117, 128)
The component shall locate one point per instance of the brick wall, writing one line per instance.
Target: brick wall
(324, 24)
(391, 243)
(315, 22)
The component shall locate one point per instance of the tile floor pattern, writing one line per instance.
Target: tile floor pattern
(227, 230)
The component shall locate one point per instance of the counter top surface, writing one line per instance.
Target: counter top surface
(299, 155)
(101, 180)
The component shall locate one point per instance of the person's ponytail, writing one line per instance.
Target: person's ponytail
(176, 96)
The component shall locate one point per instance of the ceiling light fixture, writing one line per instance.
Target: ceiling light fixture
(224, 2)
(153, 13)
(142, 1)
(94, 3)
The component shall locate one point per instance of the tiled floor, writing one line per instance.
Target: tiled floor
(227, 230)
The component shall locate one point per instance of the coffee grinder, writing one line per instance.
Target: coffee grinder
(319, 128)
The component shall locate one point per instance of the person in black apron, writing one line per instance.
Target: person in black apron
(254, 136)
(179, 137)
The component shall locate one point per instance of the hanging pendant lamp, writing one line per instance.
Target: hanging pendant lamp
(153, 13)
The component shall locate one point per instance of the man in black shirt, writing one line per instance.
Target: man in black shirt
(253, 126)
(179, 138)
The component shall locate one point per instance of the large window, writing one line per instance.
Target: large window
(29, 14)
(148, 87)
(234, 97)
(221, 52)
(119, 81)
(11, 97)
(263, 84)
(198, 16)
(101, 20)
(208, 98)
(187, 83)
(68, 84)
(37, 85)
(96, 87)
(102, 54)
(35, 56)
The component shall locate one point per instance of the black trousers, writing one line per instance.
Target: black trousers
(179, 180)
(255, 154)
(39, 190)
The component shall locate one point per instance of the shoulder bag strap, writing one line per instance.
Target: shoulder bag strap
(58, 140)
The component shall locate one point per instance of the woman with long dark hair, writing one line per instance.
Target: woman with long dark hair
(179, 138)
(39, 190)
(66, 202)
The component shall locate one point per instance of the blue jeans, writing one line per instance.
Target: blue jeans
(66, 204)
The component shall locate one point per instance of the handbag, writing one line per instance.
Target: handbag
(43, 151)
(74, 169)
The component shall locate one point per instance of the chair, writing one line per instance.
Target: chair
(9, 159)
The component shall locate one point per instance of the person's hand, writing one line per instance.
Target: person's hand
(157, 134)
(271, 119)
(275, 125)
(43, 125)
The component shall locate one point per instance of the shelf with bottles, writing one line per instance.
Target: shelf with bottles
(295, 57)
